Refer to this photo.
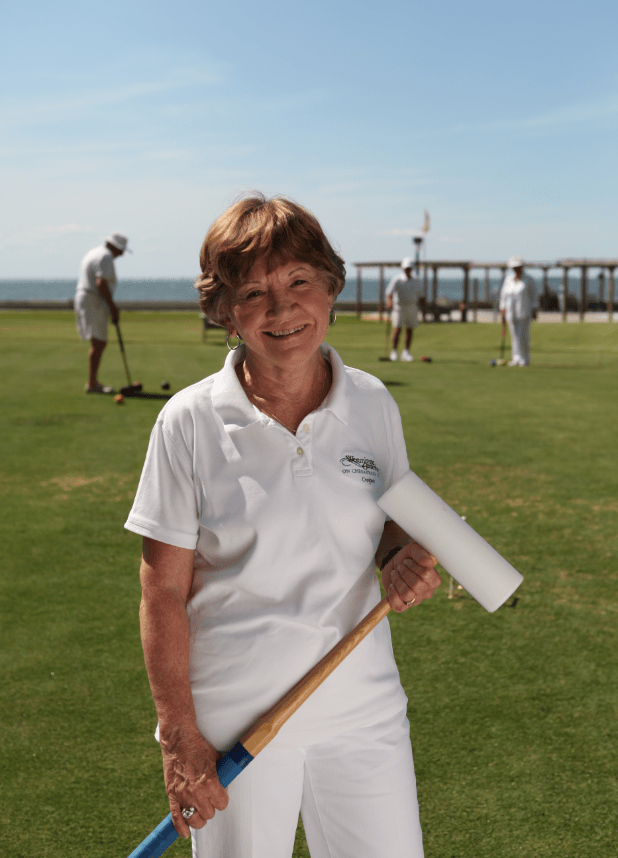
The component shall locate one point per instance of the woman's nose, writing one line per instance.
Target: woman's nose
(280, 300)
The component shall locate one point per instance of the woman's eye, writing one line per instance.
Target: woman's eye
(299, 282)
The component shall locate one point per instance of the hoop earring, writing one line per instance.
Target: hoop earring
(227, 342)
(332, 317)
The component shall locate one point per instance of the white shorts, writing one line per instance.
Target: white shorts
(356, 795)
(405, 317)
(91, 314)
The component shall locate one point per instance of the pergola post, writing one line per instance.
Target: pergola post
(486, 295)
(466, 293)
(610, 294)
(565, 291)
(601, 287)
(583, 300)
(381, 293)
(359, 291)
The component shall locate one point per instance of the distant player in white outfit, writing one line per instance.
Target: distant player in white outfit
(94, 302)
(519, 303)
(403, 298)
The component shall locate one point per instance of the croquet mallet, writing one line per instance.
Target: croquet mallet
(487, 576)
(131, 388)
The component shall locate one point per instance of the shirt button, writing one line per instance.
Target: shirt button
(305, 427)
(300, 451)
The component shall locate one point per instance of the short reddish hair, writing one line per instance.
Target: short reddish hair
(277, 230)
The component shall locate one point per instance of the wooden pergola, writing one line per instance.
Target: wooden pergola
(466, 266)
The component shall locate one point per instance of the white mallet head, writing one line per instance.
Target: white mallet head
(459, 549)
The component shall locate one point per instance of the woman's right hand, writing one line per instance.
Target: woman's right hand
(189, 767)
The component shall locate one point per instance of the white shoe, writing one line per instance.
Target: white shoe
(405, 355)
(393, 354)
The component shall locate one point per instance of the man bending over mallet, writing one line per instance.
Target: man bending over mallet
(94, 302)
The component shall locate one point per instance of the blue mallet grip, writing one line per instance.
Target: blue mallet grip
(228, 767)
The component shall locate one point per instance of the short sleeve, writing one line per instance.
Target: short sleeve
(165, 506)
(105, 268)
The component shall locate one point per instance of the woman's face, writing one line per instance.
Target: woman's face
(282, 315)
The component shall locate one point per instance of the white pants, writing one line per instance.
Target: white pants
(356, 794)
(520, 341)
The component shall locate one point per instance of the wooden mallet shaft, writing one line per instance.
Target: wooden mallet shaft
(266, 728)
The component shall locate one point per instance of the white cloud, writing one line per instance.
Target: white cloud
(570, 114)
(68, 227)
(61, 108)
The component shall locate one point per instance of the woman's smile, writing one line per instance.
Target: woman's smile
(285, 333)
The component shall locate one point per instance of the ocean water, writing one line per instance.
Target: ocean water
(181, 289)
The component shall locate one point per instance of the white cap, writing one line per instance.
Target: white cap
(407, 263)
(118, 240)
(515, 262)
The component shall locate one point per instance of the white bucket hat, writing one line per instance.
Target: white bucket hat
(119, 241)
(407, 263)
(515, 262)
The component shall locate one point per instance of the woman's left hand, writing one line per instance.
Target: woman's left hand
(410, 577)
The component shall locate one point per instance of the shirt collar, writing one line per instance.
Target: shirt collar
(236, 411)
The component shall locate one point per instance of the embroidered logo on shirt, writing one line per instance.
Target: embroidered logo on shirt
(360, 465)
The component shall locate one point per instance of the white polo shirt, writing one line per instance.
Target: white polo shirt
(98, 262)
(404, 291)
(264, 613)
(519, 298)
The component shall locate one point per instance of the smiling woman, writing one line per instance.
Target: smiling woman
(260, 548)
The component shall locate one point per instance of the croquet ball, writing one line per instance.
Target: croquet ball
(425, 359)
(137, 384)
(119, 399)
(492, 363)
(500, 362)
(165, 385)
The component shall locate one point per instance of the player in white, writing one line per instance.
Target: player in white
(519, 302)
(403, 298)
(94, 302)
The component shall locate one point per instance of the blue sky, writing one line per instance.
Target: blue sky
(150, 118)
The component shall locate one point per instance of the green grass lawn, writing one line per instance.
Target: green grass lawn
(513, 714)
